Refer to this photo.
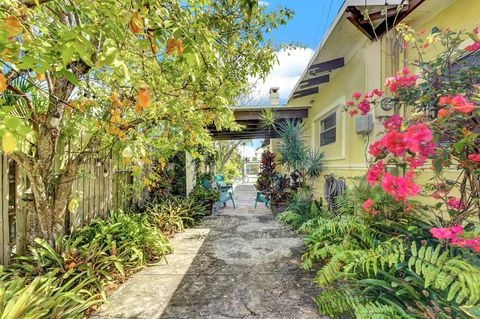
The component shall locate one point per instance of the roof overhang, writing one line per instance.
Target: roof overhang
(346, 38)
(251, 119)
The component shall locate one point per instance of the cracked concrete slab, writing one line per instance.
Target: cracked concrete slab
(233, 265)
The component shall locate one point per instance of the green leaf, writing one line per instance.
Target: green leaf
(472, 311)
(67, 54)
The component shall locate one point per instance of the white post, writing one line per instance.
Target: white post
(189, 173)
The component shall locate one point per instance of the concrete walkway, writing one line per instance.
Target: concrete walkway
(239, 263)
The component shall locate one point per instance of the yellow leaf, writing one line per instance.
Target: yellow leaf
(12, 26)
(180, 46)
(136, 23)
(9, 142)
(171, 46)
(3, 83)
(143, 98)
(40, 76)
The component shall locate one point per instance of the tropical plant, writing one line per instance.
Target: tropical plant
(46, 296)
(298, 157)
(175, 214)
(390, 268)
(202, 195)
(65, 279)
(301, 208)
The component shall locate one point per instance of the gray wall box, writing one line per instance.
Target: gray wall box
(364, 124)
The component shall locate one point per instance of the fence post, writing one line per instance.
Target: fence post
(5, 240)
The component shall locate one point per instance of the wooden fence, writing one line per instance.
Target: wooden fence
(101, 186)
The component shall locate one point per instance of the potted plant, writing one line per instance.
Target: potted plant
(279, 194)
(208, 197)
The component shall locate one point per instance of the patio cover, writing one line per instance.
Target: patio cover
(250, 117)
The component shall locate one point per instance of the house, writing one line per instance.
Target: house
(357, 53)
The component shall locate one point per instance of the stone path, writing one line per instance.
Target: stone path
(239, 263)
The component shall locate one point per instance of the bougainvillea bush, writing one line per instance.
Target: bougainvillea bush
(404, 242)
(437, 130)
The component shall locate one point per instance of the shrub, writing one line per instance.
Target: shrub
(65, 279)
(301, 207)
(175, 213)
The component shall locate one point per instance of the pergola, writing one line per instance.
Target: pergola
(250, 118)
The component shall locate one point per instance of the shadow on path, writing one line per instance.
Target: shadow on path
(234, 265)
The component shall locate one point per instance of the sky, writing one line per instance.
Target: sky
(306, 30)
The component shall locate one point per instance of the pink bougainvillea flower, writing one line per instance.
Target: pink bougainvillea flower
(473, 47)
(395, 142)
(460, 104)
(457, 230)
(391, 84)
(364, 106)
(442, 233)
(415, 162)
(356, 95)
(400, 187)
(455, 203)
(350, 103)
(453, 235)
(405, 71)
(375, 172)
(474, 157)
(417, 135)
(443, 113)
(403, 79)
(353, 112)
(444, 100)
(393, 123)
(376, 149)
(367, 205)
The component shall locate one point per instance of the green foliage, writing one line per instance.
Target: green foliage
(145, 79)
(231, 170)
(296, 155)
(267, 118)
(374, 267)
(300, 209)
(65, 279)
(175, 214)
(45, 297)
(202, 195)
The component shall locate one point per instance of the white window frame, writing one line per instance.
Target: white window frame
(341, 117)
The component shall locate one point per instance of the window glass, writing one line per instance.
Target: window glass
(328, 129)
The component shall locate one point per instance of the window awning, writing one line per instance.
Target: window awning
(317, 74)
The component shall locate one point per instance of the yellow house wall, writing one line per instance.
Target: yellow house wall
(365, 70)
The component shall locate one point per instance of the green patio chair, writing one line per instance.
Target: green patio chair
(222, 185)
(260, 198)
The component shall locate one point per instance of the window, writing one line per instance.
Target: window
(328, 129)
